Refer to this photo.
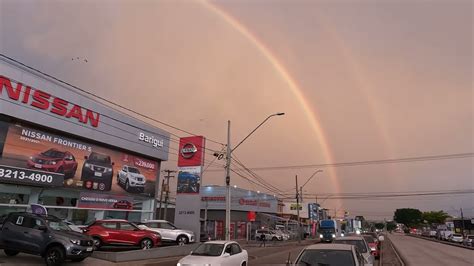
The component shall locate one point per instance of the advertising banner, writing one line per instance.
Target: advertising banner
(38, 209)
(104, 201)
(189, 180)
(188, 201)
(46, 159)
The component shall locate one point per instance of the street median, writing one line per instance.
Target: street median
(154, 253)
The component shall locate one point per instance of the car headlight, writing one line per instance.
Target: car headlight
(333, 235)
(88, 165)
(108, 169)
(373, 249)
(321, 236)
(342, 234)
(52, 162)
(75, 241)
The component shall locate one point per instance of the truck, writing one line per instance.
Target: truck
(328, 230)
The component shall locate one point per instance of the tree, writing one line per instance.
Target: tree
(407, 216)
(379, 226)
(391, 226)
(434, 217)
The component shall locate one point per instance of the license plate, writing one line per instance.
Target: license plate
(89, 249)
(97, 174)
(38, 165)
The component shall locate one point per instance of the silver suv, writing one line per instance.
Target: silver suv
(169, 232)
(269, 235)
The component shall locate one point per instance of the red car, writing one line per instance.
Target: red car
(121, 232)
(373, 245)
(123, 204)
(54, 160)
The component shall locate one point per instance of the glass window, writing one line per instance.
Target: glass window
(326, 257)
(228, 249)
(127, 227)
(236, 249)
(167, 226)
(19, 220)
(152, 225)
(360, 244)
(212, 250)
(110, 225)
(133, 170)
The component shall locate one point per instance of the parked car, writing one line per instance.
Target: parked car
(456, 238)
(54, 160)
(269, 235)
(73, 227)
(123, 204)
(228, 253)
(97, 172)
(468, 240)
(131, 179)
(121, 232)
(373, 245)
(330, 254)
(46, 236)
(445, 235)
(360, 243)
(432, 233)
(284, 236)
(169, 232)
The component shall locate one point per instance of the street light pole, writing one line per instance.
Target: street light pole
(227, 167)
(298, 210)
(227, 183)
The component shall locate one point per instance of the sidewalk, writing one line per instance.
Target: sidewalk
(254, 243)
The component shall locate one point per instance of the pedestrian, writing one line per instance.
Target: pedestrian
(263, 239)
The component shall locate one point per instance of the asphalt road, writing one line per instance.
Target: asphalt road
(417, 251)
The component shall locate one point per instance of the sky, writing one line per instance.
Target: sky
(358, 80)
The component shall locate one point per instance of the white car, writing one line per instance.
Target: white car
(330, 254)
(131, 179)
(169, 232)
(360, 244)
(216, 253)
(456, 238)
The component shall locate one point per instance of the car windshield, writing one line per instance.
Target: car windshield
(360, 244)
(57, 225)
(209, 249)
(470, 237)
(53, 154)
(133, 170)
(369, 239)
(100, 158)
(457, 235)
(326, 257)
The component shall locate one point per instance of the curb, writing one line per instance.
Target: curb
(442, 242)
(403, 260)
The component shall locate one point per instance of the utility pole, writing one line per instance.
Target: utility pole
(227, 183)
(462, 222)
(168, 175)
(298, 210)
(161, 198)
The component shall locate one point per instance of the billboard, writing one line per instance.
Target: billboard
(78, 163)
(189, 180)
(104, 201)
(188, 189)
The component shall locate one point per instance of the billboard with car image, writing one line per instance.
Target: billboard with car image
(83, 165)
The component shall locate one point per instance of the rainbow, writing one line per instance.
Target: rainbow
(291, 82)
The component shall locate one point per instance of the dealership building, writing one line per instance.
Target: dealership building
(63, 148)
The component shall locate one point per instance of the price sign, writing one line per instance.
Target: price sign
(30, 177)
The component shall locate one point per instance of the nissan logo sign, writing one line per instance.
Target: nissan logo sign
(188, 150)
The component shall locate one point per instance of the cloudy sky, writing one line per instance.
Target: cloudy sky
(358, 81)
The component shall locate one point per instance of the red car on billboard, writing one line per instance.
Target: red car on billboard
(123, 204)
(54, 160)
(121, 232)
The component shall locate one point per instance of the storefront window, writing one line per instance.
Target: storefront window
(13, 198)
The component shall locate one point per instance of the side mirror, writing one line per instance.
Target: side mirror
(381, 238)
(113, 163)
(85, 157)
(226, 255)
(43, 228)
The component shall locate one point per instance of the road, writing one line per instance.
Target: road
(417, 251)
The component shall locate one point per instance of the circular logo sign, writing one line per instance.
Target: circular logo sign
(101, 186)
(188, 151)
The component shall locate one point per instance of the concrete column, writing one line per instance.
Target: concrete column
(34, 196)
(148, 205)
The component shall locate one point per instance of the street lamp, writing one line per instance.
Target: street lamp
(227, 167)
(298, 199)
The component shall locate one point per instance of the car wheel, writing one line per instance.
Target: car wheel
(78, 260)
(274, 238)
(10, 252)
(97, 242)
(146, 243)
(182, 240)
(54, 256)
(127, 185)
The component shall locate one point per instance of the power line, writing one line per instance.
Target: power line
(371, 162)
(105, 100)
